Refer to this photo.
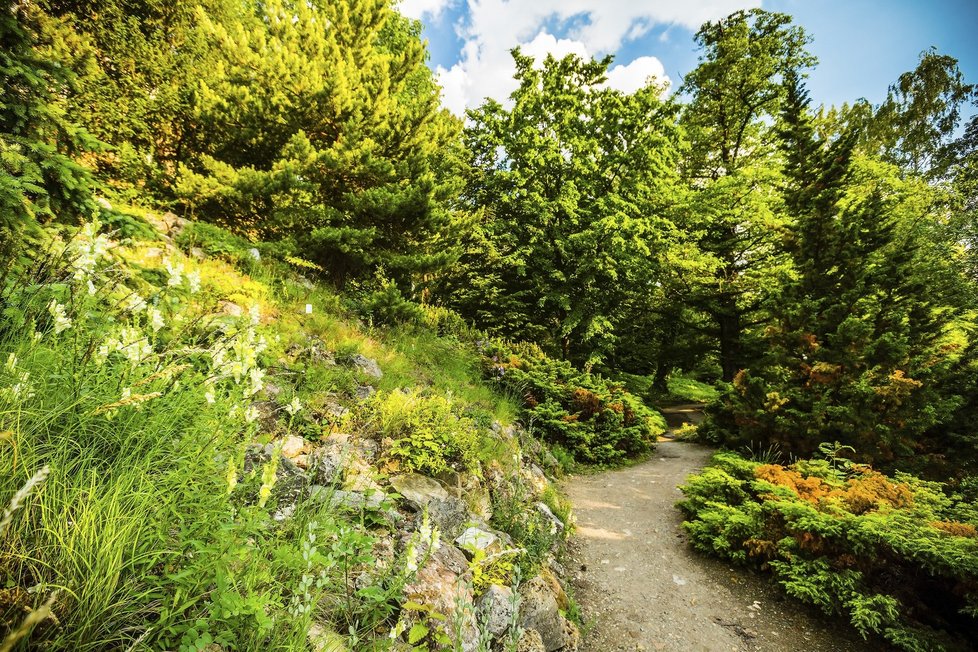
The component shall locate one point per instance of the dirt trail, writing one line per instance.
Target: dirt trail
(641, 587)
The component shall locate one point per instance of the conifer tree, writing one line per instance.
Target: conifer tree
(39, 177)
(858, 351)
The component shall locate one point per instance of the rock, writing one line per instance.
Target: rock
(323, 639)
(530, 641)
(539, 611)
(469, 489)
(556, 525)
(229, 309)
(365, 365)
(272, 390)
(352, 500)
(197, 253)
(449, 513)
(304, 282)
(438, 586)
(496, 609)
(290, 482)
(254, 254)
(474, 538)
(535, 477)
(302, 461)
(326, 466)
(363, 392)
(419, 489)
(293, 447)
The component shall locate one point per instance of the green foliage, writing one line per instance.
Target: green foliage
(597, 421)
(573, 180)
(860, 349)
(39, 178)
(887, 553)
(429, 434)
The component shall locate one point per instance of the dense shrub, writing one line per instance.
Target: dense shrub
(428, 433)
(598, 421)
(897, 555)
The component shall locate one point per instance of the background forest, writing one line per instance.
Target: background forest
(817, 266)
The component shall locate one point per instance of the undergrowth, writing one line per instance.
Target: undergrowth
(897, 556)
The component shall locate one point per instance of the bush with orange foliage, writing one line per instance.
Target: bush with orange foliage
(897, 555)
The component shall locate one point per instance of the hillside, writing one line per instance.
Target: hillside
(212, 453)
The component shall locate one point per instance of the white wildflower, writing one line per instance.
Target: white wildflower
(294, 407)
(175, 270)
(257, 376)
(250, 414)
(61, 321)
(399, 627)
(11, 362)
(411, 565)
(91, 288)
(156, 321)
(87, 249)
(135, 303)
(254, 312)
(193, 282)
(209, 395)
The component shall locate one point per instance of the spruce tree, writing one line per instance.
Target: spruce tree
(858, 351)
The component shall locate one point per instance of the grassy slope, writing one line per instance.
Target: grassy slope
(139, 534)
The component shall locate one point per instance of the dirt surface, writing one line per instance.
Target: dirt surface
(641, 587)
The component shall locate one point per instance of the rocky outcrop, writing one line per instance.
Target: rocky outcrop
(540, 611)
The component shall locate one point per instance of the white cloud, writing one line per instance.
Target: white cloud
(597, 27)
(420, 8)
(633, 76)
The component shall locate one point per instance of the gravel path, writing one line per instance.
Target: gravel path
(641, 587)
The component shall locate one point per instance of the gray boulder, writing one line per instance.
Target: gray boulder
(449, 513)
(291, 484)
(539, 611)
(496, 609)
(530, 641)
(366, 366)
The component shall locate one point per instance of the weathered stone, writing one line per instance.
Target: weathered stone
(302, 461)
(197, 253)
(530, 641)
(293, 447)
(229, 308)
(291, 483)
(418, 489)
(323, 639)
(363, 392)
(254, 254)
(449, 513)
(496, 609)
(437, 586)
(474, 538)
(366, 366)
(272, 390)
(556, 525)
(353, 500)
(326, 466)
(539, 611)
(536, 478)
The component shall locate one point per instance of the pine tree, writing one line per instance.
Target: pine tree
(39, 178)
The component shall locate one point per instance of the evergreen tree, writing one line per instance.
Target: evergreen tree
(859, 350)
(39, 176)
(326, 131)
(733, 211)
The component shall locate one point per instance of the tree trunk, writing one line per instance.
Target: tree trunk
(729, 344)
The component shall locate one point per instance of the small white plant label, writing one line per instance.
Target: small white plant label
(308, 308)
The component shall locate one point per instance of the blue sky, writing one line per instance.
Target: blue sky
(862, 45)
